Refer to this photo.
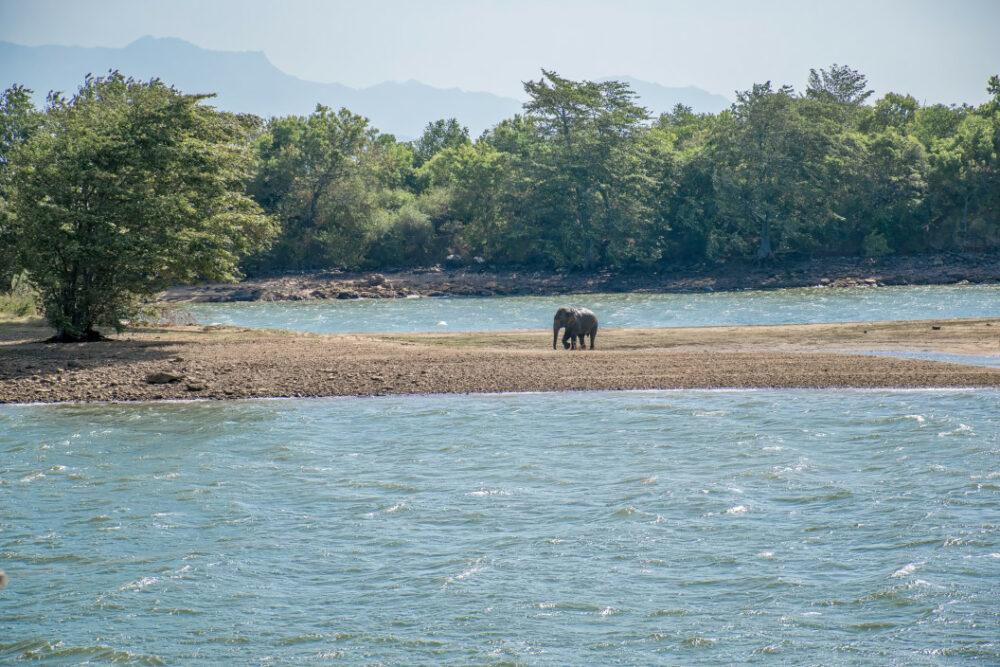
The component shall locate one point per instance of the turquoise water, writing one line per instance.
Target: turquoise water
(742, 527)
(788, 306)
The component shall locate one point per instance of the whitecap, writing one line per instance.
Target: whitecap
(739, 509)
(906, 570)
(140, 584)
(471, 571)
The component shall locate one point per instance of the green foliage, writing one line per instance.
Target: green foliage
(769, 173)
(875, 245)
(438, 136)
(840, 85)
(587, 176)
(322, 177)
(894, 110)
(21, 300)
(131, 186)
(124, 189)
(18, 121)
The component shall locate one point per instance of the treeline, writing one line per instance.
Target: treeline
(130, 186)
(584, 178)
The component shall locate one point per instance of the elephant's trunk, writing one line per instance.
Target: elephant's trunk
(555, 334)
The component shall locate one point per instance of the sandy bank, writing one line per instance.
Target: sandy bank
(220, 363)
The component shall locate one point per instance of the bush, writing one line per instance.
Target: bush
(875, 245)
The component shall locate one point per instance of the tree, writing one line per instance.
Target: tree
(126, 188)
(472, 178)
(588, 170)
(993, 88)
(840, 84)
(766, 168)
(965, 173)
(320, 175)
(18, 121)
(894, 110)
(437, 136)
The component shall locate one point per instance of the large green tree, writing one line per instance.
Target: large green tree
(324, 177)
(839, 84)
(18, 121)
(438, 136)
(589, 171)
(768, 172)
(126, 188)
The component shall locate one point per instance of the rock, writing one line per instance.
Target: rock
(163, 378)
(195, 385)
(347, 295)
(454, 261)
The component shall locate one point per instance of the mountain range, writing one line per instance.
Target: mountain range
(246, 81)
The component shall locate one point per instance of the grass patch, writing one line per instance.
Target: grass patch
(20, 302)
(14, 306)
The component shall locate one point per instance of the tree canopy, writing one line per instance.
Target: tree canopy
(130, 186)
(124, 189)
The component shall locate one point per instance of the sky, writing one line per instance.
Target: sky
(939, 51)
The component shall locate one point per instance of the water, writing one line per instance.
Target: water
(727, 527)
(787, 306)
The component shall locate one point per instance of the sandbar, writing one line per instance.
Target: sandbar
(190, 362)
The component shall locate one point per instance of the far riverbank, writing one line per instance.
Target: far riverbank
(938, 269)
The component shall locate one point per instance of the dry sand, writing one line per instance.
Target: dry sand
(222, 363)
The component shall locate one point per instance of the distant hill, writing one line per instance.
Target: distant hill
(659, 99)
(246, 81)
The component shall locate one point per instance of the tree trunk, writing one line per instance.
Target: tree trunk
(764, 251)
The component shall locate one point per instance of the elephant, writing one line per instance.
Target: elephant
(579, 322)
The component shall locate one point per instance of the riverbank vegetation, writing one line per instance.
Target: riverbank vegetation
(127, 187)
(585, 179)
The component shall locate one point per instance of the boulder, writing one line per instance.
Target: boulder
(163, 378)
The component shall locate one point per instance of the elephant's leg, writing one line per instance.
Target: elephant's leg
(593, 335)
(566, 339)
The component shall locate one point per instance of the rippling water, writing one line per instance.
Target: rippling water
(787, 306)
(788, 527)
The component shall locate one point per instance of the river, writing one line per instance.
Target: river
(785, 306)
(662, 527)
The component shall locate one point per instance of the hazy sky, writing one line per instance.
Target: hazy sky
(936, 50)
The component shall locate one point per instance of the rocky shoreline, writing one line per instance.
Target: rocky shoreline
(939, 269)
